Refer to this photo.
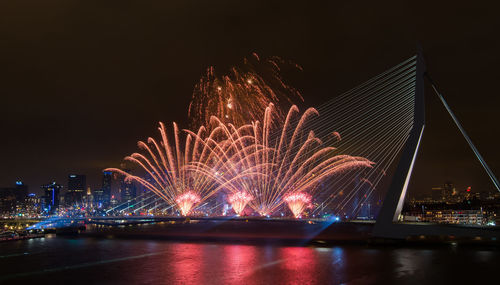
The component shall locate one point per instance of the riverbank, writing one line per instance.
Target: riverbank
(15, 237)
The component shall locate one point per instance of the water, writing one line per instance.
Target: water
(58, 260)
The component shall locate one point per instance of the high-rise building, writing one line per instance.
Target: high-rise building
(51, 197)
(88, 199)
(7, 201)
(33, 205)
(128, 191)
(104, 195)
(13, 199)
(98, 195)
(76, 190)
(21, 192)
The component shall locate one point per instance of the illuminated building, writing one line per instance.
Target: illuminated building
(33, 205)
(51, 197)
(103, 196)
(470, 217)
(21, 192)
(88, 198)
(76, 190)
(98, 196)
(128, 190)
(13, 199)
(7, 201)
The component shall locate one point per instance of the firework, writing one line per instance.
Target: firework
(241, 96)
(296, 161)
(297, 202)
(171, 167)
(337, 136)
(239, 200)
(186, 201)
(260, 164)
(186, 172)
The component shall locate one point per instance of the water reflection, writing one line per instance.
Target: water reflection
(239, 260)
(409, 262)
(300, 266)
(187, 263)
(249, 264)
(338, 257)
(406, 263)
(94, 261)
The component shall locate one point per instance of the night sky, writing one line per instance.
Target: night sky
(82, 81)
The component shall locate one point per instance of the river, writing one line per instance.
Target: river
(66, 260)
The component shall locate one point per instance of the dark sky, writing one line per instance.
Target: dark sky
(82, 81)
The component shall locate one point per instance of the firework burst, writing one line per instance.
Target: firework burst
(246, 146)
(239, 200)
(186, 172)
(186, 201)
(296, 160)
(297, 202)
(262, 165)
(241, 96)
(170, 167)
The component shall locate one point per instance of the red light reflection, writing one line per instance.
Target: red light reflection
(300, 265)
(238, 260)
(187, 265)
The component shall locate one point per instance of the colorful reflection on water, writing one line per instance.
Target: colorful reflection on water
(109, 261)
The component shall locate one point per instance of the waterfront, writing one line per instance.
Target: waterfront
(64, 260)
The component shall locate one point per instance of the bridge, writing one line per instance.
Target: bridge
(389, 223)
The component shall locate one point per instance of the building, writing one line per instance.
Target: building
(464, 217)
(443, 193)
(33, 205)
(128, 190)
(7, 201)
(88, 199)
(103, 196)
(21, 193)
(98, 196)
(77, 185)
(51, 197)
(13, 199)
